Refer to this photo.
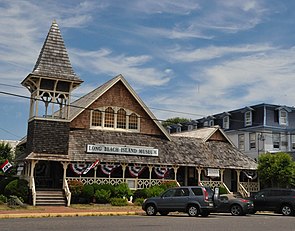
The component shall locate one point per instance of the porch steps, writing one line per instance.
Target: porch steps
(50, 198)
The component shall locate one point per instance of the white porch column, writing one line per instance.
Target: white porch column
(150, 174)
(175, 168)
(95, 172)
(33, 164)
(65, 166)
(199, 175)
(124, 166)
(221, 174)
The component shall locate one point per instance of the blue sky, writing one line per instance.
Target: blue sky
(188, 58)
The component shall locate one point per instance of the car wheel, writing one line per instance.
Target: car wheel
(236, 210)
(193, 210)
(286, 210)
(151, 210)
(164, 213)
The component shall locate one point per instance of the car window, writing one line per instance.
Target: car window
(181, 192)
(169, 193)
(262, 194)
(197, 191)
(223, 198)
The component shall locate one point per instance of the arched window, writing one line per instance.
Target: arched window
(133, 121)
(121, 118)
(109, 118)
(96, 118)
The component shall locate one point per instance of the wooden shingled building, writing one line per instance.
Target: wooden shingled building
(110, 136)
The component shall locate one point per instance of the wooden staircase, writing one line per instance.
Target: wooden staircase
(49, 197)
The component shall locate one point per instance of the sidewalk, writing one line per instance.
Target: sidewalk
(59, 211)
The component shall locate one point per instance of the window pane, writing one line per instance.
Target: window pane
(109, 118)
(121, 119)
(252, 140)
(241, 142)
(96, 118)
(133, 121)
(276, 140)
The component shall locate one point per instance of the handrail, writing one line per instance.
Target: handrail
(33, 190)
(227, 189)
(243, 191)
(67, 192)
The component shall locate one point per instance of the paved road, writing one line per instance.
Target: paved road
(271, 222)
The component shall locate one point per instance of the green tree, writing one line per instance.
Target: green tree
(276, 170)
(5, 152)
(174, 120)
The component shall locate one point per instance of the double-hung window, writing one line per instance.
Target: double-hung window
(283, 117)
(241, 142)
(252, 140)
(225, 124)
(248, 118)
(276, 139)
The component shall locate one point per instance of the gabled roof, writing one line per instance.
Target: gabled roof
(203, 133)
(53, 60)
(78, 106)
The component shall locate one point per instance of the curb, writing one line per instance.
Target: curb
(70, 214)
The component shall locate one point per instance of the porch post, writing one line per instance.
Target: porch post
(150, 174)
(221, 175)
(124, 166)
(33, 164)
(175, 168)
(238, 178)
(199, 175)
(65, 166)
(95, 170)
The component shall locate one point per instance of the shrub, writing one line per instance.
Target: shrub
(107, 187)
(154, 191)
(138, 201)
(222, 190)
(168, 184)
(122, 190)
(76, 187)
(19, 188)
(5, 182)
(3, 199)
(140, 193)
(102, 196)
(87, 193)
(119, 201)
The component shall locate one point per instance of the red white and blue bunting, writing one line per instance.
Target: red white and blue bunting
(252, 175)
(161, 172)
(108, 168)
(83, 168)
(136, 170)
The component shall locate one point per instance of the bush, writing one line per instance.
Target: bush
(119, 201)
(154, 191)
(5, 182)
(140, 193)
(107, 187)
(3, 199)
(169, 184)
(88, 193)
(122, 191)
(75, 187)
(139, 201)
(19, 188)
(102, 196)
(222, 190)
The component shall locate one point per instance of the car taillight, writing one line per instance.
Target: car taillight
(206, 195)
(245, 201)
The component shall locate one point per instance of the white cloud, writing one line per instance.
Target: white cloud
(132, 67)
(180, 54)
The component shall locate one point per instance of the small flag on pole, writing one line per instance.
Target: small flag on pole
(91, 166)
(6, 166)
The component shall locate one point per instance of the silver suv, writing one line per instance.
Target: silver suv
(193, 200)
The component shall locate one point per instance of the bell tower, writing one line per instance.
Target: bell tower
(50, 84)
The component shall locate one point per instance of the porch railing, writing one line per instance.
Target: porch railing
(241, 189)
(251, 186)
(67, 192)
(133, 183)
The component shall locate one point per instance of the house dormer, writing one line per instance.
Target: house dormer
(283, 115)
(248, 111)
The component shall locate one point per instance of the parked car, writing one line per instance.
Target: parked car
(193, 200)
(228, 203)
(279, 200)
